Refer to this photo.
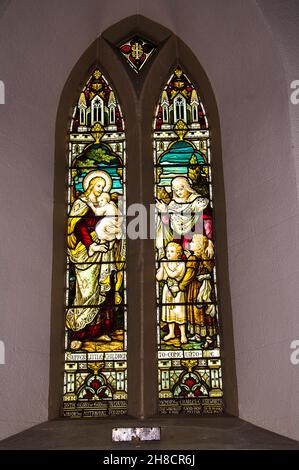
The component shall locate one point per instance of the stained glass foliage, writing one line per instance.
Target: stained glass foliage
(137, 51)
(189, 360)
(95, 380)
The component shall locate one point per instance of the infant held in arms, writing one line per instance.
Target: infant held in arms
(108, 228)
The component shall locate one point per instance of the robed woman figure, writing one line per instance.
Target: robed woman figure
(98, 276)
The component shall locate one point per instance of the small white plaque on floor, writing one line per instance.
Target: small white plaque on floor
(136, 434)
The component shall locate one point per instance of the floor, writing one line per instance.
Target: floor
(215, 432)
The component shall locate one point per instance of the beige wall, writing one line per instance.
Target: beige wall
(248, 65)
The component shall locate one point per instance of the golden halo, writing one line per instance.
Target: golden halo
(98, 174)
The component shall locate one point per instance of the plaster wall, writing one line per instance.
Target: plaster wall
(40, 42)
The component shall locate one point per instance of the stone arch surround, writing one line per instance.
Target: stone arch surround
(139, 95)
(238, 48)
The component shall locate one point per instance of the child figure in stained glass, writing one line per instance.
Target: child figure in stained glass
(108, 228)
(172, 271)
(200, 295)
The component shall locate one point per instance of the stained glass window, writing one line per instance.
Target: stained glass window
(95, 382)
(189, 362)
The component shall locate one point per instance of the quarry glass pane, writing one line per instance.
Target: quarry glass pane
(95, 382)
(189, 358)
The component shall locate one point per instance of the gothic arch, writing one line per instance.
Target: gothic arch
(142, 91)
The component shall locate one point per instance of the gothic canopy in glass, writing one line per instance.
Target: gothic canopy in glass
(95, 382)
(189, 362)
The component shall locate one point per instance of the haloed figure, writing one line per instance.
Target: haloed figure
(97, 280)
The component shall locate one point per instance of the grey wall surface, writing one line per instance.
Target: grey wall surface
(247, 50)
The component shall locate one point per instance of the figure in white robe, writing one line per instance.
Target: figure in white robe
(172, 271)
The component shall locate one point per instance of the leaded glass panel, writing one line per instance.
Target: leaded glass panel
(189, 358)
(95, 381)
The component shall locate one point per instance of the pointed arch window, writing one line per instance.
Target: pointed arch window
(175, 362)
(95, 335)
(179, 108)
(189, 359)
(97, 110)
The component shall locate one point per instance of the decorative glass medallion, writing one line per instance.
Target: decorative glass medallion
(137, 51)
